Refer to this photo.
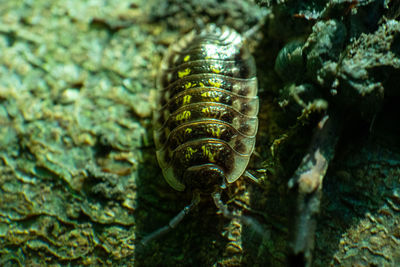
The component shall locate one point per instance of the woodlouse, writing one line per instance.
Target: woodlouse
(206, 126)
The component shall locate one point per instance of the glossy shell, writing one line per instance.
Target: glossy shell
(207, 121)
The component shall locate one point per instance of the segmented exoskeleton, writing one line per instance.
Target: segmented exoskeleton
(206, 123)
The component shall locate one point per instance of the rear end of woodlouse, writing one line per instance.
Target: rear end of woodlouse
(205, 127)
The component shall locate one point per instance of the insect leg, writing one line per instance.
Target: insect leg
(230, 215)
(174, 222)
(251, 177)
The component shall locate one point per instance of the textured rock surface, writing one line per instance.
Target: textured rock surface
(79, 183)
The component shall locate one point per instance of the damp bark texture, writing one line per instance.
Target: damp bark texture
(79, 182)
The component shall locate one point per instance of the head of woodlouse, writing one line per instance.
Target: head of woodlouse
(204, 177)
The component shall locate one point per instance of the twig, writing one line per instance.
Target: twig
(306, 183)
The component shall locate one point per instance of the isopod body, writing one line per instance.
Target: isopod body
(206, 123)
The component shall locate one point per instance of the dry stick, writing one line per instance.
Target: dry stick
(307, 185)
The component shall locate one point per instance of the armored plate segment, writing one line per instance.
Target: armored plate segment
(206, 123)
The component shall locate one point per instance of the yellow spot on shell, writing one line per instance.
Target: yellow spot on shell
(214, 83)
(189, 152)
(207, 153)
(183, 115)
(186, 99)
(189, 85)
(186, 58)
(216, 132)
(201, 84)
(188, 130)
(206, 110)
(215, 69)
(184, 73)
(209, 96)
